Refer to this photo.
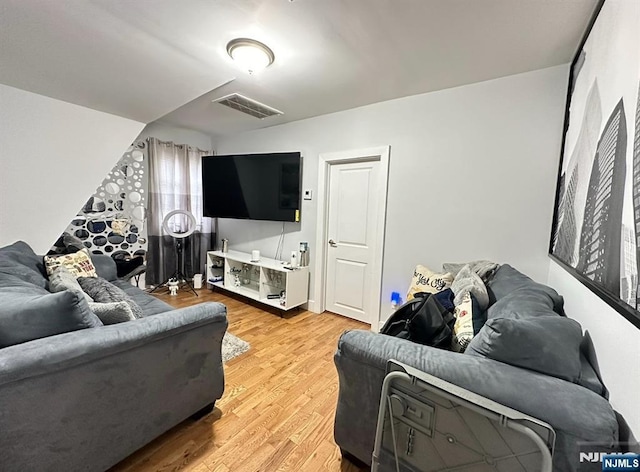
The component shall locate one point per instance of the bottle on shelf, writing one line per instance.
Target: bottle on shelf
(304, 254)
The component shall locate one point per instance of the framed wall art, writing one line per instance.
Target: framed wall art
(596, 227)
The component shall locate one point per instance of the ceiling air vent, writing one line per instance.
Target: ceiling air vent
(247, 105)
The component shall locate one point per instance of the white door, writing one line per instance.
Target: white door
(352, 237)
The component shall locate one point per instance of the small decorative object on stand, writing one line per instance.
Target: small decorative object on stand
(255, 256)
(225, 245)
(173, 287)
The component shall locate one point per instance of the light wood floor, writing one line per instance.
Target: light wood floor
(278, 407)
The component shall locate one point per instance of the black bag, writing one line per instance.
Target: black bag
(422, 320)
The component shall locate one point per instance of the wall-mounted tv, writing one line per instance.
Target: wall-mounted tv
(252, 186)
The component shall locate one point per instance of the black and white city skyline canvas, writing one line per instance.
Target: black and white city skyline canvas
(596, 231)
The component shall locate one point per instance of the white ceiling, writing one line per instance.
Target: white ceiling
(166, 59)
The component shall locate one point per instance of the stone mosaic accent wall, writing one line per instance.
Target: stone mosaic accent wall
(112, 220)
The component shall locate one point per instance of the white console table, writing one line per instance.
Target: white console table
(236, 272)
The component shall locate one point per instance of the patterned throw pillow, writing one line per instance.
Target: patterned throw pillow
(79, 264)
(62, 279)
(425, 280)
(469, 322)
(112, 313)
(103, 291)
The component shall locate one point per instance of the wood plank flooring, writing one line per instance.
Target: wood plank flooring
(278, 407)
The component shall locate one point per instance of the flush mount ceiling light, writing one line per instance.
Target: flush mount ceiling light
(251, 55)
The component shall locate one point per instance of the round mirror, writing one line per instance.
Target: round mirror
(112, 187)
(115, 238)
(120, 255)
(99, 240)
(138, 213)
(96, 227)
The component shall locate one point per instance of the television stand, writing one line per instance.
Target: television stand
(268, 281)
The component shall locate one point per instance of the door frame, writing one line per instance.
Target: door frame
(325, 160)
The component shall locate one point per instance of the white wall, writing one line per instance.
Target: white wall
(53, 155)
(616, 341)
(178, 135)
(472, 174)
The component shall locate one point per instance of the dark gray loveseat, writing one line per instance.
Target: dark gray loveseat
(87, 398)
(528, 356)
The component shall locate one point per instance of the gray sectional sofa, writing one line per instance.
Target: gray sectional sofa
(528, 356)
(81, 396)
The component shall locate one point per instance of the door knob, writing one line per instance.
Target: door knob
(332, 243)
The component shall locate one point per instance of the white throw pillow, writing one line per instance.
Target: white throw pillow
(463, 328)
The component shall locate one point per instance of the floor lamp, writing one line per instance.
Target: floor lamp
(178, 238)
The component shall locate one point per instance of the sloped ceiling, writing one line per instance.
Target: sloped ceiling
(166, 59)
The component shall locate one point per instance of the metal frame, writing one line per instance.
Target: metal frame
(407, 381)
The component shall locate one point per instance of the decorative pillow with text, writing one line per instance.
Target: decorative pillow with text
(79, 264)
(425, 280)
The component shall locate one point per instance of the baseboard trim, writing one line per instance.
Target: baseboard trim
(311, 306)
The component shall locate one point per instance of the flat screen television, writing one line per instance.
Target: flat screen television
(252, 186)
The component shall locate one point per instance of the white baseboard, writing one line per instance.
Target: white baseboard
(311, 306)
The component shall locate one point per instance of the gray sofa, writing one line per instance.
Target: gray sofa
(528, 356)
(84, 399)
